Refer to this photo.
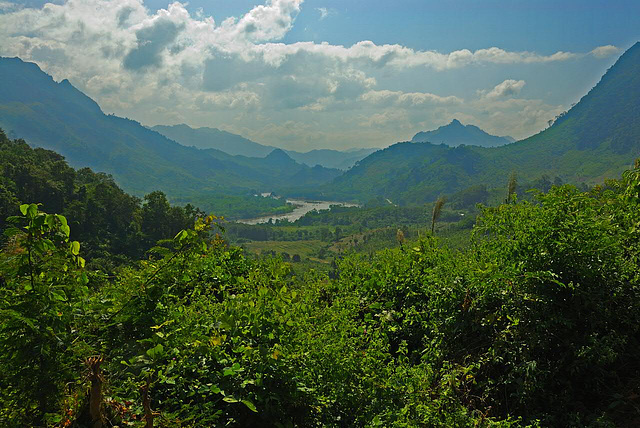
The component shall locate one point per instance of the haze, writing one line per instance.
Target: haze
(325, 74)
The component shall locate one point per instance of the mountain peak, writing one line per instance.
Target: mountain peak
(455, 134)
(279, 155)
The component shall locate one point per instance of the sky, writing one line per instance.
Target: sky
(307, 74)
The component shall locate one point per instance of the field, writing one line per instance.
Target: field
(304, 249)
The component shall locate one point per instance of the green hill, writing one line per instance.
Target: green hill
(59, 117)
(597, 139)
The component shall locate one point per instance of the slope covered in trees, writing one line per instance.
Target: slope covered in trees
(110, 223)
(597, 139)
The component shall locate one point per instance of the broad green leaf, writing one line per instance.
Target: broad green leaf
(250, 405)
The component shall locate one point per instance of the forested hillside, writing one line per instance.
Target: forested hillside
(111, 224)
(597, 139)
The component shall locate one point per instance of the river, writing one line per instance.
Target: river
(301, 208)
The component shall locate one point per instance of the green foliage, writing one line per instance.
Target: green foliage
(108, 221)
(536, 324)
(43, 286)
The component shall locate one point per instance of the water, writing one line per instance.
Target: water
(301, 208)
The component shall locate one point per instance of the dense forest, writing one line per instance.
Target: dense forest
(119, 311)
(111, 224)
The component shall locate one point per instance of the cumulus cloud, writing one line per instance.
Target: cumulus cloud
(604, 51)
(369, 53)
(508, 88)
(152, 40)
(172, 65)
(394, 118)
(407, 99)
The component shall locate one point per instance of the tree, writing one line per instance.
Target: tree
(44, 282)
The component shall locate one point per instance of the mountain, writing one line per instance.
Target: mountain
(213, 138)
(59, 117)
(332, 158)
(455, 134)
(233, 144)
(597, 139)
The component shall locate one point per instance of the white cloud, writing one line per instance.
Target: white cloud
(367, 52)
(228, 100)
(505, 89)
(604, 51)
(407, 99)
(264, 22)
(171, 65)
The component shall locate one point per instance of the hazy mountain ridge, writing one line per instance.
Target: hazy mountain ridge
(455, 134)
(332, 158)
(581, 146)
(234, 144)
(59, 117)
(213, 138)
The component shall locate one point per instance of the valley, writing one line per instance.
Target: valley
(314, 214)
(300, 208)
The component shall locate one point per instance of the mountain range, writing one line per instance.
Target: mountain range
(597, 138)
(455, 134)
(59, 117)
(233, 144)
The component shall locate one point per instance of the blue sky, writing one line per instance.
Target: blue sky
(447, 25)
(304, 74)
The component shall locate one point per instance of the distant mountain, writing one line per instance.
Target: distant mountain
(59, 117)
(331, 158)
(597, 139)
(455, 134)
(233, 144)
(213, 138)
